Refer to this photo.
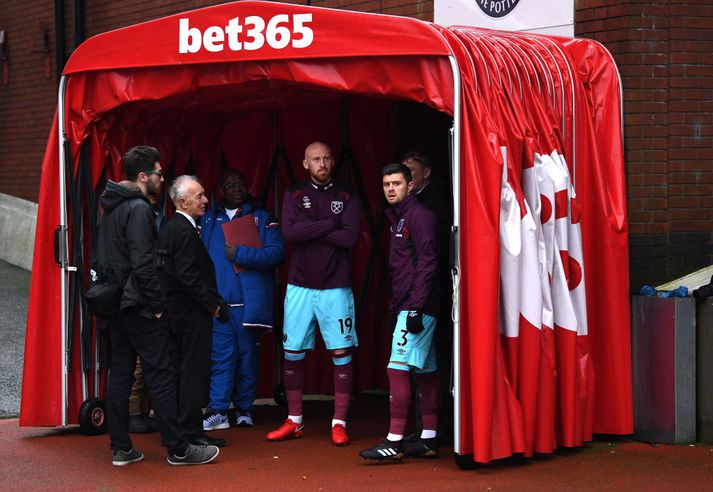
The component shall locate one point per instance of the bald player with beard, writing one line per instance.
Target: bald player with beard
(321, 218)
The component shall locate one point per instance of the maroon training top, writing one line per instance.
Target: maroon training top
(322, 223)
(413, 257)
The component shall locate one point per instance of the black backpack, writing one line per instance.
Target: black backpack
(104, 295)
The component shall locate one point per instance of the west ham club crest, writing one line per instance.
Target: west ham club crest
(337, 207)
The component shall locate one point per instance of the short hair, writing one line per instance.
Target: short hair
(139, 159)
(232, 172)
(397, 168)
(418, 157)
(178, 187)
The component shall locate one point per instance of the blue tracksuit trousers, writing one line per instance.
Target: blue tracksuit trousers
(234, 363)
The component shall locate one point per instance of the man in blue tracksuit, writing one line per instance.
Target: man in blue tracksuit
(250, 295)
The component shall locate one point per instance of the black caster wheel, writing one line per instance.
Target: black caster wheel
(92, 417)
(280, 395)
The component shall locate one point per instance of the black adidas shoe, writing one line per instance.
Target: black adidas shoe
(384, 451)
(422, 448)
(414, 436)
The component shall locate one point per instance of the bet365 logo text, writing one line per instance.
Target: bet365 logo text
(250, 34)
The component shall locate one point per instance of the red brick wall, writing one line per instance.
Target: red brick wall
(27, 100)
(664, 52)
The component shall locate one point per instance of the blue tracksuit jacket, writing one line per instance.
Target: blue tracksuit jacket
(253, 287)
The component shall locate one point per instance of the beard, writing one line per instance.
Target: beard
(153, 190)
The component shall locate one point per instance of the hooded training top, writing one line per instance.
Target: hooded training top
(126, 246)
(413, 258)
(322, 223)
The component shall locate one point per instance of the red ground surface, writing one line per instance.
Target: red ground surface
(64, 459)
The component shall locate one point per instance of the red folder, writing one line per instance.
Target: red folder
(242, 231)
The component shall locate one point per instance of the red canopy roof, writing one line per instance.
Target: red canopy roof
(233, 33)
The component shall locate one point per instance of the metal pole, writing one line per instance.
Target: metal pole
(63, 244)
(78, 22)
(455, 233)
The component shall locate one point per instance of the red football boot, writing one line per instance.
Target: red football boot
(339, 435)
(288, 430)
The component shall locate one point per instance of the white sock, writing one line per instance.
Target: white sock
(297, 419)
(394, 437)
(428, 434)
(341, 422)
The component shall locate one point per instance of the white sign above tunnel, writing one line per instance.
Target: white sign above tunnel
(550, 17)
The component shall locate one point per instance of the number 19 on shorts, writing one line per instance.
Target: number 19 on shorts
(345, 325)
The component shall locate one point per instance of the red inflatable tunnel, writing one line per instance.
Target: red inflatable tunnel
(527, 129)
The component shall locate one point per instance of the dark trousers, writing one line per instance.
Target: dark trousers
(191, 358)
(132, 334)
(139, 402)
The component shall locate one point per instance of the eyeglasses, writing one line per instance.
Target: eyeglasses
(157, 173)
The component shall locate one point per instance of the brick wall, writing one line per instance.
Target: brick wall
(27, 96)
(664, 52)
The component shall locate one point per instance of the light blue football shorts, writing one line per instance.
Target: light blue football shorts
(416, 350)
(333, 309)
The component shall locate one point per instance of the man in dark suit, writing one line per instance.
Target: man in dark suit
(192, 300)
(436, 195)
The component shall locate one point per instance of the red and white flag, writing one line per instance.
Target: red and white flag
(509, 311)
(544, 439)
(563, 244)
(581, 427)
(521, 299)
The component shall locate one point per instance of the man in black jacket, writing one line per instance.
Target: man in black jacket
(437, 196)
(126, 254)
(193, 299)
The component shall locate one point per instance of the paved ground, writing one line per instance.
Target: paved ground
(14, 291)
(51, 459)
(64, 459)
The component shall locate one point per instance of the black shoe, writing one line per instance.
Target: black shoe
(194, 455)
(422, 448)
(208, 441)
(384, 451)
(414, 436)
(123, 458)
(137, 424)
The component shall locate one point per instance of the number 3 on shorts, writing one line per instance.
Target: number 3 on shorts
(404, 340)
(345, 323)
